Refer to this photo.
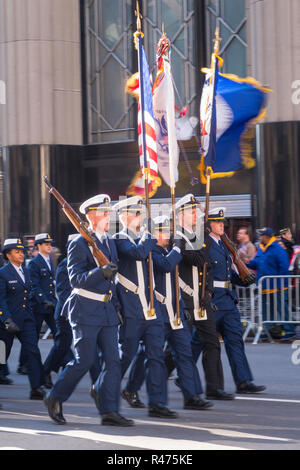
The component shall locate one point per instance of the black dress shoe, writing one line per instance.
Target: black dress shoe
(37, 393)
(160, 411)
(219, 394)
(22, 370)
(5, 380)
(48, 382)
(94, 396)
(115, 419)
(54, 410)
(249, 387)
(197, 403)
(132, 399)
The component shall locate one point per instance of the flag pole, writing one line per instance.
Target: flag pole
(173, 231)
(138, 35)
(172, 151)
(209, 172)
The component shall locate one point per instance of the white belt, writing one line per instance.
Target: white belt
(199, 314)
(223, 284)
(128, 284)
(138, 290)
(92, 295)
(167, 301)
(161, 298)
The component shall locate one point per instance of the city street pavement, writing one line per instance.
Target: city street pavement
(269, 420)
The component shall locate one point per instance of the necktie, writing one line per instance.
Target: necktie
(104, 242)
(21, 272)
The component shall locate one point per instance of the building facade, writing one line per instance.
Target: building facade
(64, 112)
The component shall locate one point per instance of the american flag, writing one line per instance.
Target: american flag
(148, 156)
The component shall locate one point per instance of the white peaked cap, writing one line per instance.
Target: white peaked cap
(99, 202)
(135, 201)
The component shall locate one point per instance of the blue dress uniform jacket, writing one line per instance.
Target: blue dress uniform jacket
(128, 254)
(84, 274)
(94, 324)
(63, 287)
(228, 321)
(15, 303)
(221, 263)
(15, 295)
(43, 284)
(193, 254)
(164, 262)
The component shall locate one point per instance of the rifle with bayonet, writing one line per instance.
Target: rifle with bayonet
(80, 226)
(248, 277)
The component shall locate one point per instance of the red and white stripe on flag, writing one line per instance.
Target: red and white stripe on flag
(150, 139)
(149, 154)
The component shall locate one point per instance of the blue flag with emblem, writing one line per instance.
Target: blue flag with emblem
(229, 107)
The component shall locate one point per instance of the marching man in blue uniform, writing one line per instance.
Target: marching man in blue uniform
(43, 277)
(228, 321)
(61, 353)
(139, 322)
(16, 314)
(93, 317)
(194, 254)
(177, 334)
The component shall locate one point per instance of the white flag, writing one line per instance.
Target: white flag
(164, 116)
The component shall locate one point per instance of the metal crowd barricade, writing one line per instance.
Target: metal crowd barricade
(248, 300)
(2, 352)
(278, 302)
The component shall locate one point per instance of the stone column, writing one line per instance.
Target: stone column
(274, 60)
(274, 54)
(40, 65)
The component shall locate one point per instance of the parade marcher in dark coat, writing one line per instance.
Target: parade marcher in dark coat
(43, 277)
(194, 254)
(227, 315)
(93, 317)
(61, 353)
(177, 335)
(17, 318)
(134, 294)
(2, 356)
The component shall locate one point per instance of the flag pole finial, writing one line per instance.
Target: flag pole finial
(138, 17)
(138, 32)
(217, 40)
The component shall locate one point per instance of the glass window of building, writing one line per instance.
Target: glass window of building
(109, 63)
(111, 57)
(178, 19)
(230, 17)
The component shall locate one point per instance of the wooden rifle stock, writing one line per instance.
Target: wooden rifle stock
(78, 224)
(243, 271)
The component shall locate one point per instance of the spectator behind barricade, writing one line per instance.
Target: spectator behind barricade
(295, 261)
(294, 269)
(286, 239)
(272, 260)
(246, 249)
